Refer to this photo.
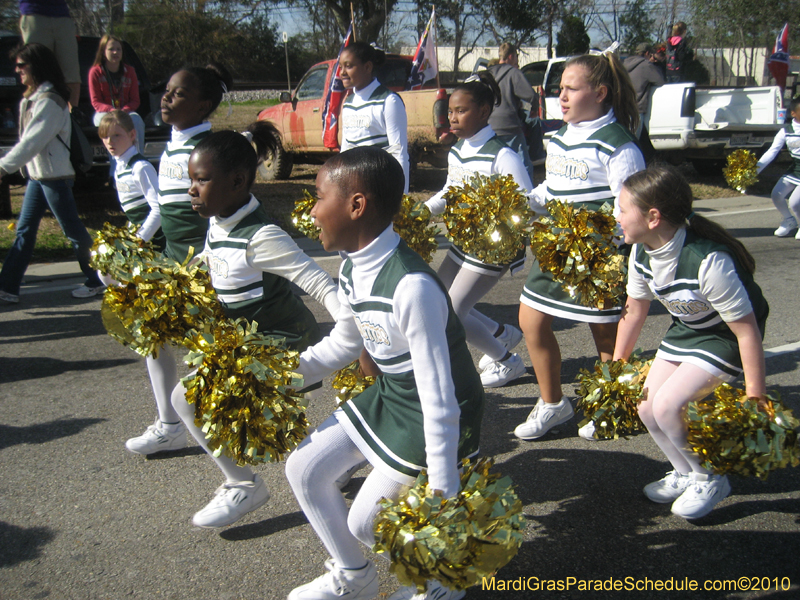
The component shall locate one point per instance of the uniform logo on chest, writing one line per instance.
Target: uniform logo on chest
(564, 166)
(218, 266)
(351, 121)
(123, 187)
(170, 170)
(684, 307)
(372, 332)
(458, 174)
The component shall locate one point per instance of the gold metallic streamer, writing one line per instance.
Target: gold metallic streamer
(732, 435)
(349, 382)
(488, 217)
(413, 224)
(301, 216)
(740, 173)
(576, 246)
(457, 540)
(117, 250)
(243, 392)
(609, 396)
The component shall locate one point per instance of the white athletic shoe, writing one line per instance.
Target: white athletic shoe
(510, 338)
(701, 495)
(345, 477)
(543, 418)
(158, 438)
(499, 373)
(587, 432)
(337, 583)
(787, 226)
(9, 298)
(435, 591)
(87, 292)
(669, 488)
(231, 502)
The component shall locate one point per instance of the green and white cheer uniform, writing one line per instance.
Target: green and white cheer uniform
(425, 410)
(137, 188)
(182, 226)
(586, 164)
(376, 116)
(703, 287)
(252, 262)
(484, 154)
(789, 135)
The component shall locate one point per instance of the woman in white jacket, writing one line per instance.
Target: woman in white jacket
(43, 152)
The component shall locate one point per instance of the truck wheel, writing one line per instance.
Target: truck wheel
(276, 165)
(708, 167)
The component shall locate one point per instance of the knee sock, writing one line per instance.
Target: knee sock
(467, 288)
(365, 507)
(312, 470)
(164, 377)
(780, 192)
(185, 411)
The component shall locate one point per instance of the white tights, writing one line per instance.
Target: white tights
(229, 468)
(312, 470)
(670, 388)
(785, 189)
(466, 287)
(164, 377)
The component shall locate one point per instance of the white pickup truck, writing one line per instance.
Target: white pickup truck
(701, 125)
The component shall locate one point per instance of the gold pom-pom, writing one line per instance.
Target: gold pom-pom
(413, 224)
(576, 246)
(731, 435)
(456, 541)
(350, 381)
(161, 301)
(301, 216)
(117, 249)
(488, 217)
(741, 170)
(243, 392)
(609, 396)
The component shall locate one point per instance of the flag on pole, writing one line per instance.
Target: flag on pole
(426, 63)
(779, 60)
(334, 99)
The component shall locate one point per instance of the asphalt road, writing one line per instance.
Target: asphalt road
(81, 518)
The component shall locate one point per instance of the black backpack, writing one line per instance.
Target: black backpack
(80, 150)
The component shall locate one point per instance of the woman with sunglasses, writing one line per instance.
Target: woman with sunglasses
(43, 154)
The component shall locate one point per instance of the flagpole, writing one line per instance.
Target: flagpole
(353, 21)
(433, 24)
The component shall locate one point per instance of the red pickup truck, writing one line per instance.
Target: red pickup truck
(298, 118)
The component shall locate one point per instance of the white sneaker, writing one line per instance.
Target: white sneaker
(231, 502)
(669, 488)
(587, 432)
(497, 374)
(786, 227)
(353, 584)
(87, 292)
(701, 495)
(9, 298)
(345, 477)
(510, 338)
(436, 591)
(158, 438)
(543, 418)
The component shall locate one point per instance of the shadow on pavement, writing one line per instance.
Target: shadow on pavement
(43, 432)
(37, 367)
(18, 544)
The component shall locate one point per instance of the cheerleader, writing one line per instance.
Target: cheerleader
(423, 412)
(704, 277)
(480, 150)
(788, 185)
(587, 161)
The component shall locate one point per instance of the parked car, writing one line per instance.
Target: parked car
(298, 118)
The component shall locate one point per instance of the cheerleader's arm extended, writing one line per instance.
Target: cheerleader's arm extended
(630, 326)
(751, 350)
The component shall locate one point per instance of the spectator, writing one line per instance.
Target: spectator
(646, 77)
(42, 150)
(505, 119)
(48, 23)
(113, 85)
(678, 53)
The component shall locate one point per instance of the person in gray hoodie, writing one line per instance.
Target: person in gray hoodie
(646, 77)
(43, 153)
